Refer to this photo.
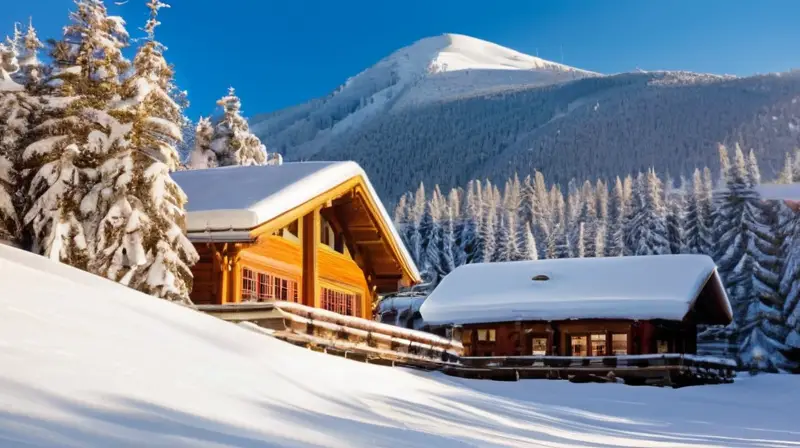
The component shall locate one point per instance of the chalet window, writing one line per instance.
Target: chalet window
(619, 344)
(249, 290)
(539, 346)
(662, 346)
(262, 286)
(327, 235)
(341, 302)
(599, 344)
(486, 335)
(579, 346)
(466, 338)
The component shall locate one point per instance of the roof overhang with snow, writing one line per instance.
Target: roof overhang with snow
(669, 287)
(239, 204)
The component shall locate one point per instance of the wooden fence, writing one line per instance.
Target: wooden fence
(378, 343)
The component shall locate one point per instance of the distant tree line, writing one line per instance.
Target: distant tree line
(755, 243)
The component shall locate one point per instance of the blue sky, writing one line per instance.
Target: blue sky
(280, 53)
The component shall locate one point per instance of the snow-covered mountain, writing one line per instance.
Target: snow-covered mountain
(451, 108)
(432, 69)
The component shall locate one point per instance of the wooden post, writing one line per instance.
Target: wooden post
(236, 274)
(222, 257)
(311, 237)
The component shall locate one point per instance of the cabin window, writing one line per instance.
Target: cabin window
(327, 235)
(579, 346)
(485, 335)
(599, 344)
(466, 338)
(249, 290)
(262, 286)
(619, 344)
(539, 346)
(662, 346)
(341, 302)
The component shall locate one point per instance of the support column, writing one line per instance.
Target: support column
(311, 237)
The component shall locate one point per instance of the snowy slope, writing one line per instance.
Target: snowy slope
(86, 362)
(429, 70)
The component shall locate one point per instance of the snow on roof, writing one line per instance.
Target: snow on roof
(648, 287)
(231, 199)
(786, 192)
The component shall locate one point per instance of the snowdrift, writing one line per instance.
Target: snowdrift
(86, 362)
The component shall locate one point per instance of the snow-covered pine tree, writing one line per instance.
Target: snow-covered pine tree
(789, 288)
(527, 197)
(617, 210)
(501, 241)
(649, 233)
(202, 156)
(412, 234)
(488, 229)
(581, 251)
(697, 237)
(588, 218)
(559, 244)
(447, 245)
(430, 230)
(601, 193)
(709, 208)
(30, 67)
(512, 250)
(74, 131)
(14, 118)
(137, 209)
(676, 211)
(528, 250)
(401, 213)
(635, 210)
(764, 327)
(786, 176)
(543, 216)
(469, 243)
(233, 142)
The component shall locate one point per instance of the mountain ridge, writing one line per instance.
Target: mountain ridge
(406, 124)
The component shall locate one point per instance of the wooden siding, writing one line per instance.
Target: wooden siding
(284, 258)
(515, 338)
(205, 289)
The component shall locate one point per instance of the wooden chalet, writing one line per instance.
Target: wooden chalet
(313, 233)
(584, 307)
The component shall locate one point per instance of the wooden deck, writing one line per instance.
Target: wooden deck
(372, 342)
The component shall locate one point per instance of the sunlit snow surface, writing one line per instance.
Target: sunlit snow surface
(86, 362)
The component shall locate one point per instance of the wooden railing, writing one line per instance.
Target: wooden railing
(378, 343)
(348, 336)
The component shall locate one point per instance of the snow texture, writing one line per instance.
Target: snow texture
(645, 287)
(72, 376)
(241, 198)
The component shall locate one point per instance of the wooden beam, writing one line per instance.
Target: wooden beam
(310, 239)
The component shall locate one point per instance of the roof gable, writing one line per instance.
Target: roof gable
(230, 203)
(649, 287)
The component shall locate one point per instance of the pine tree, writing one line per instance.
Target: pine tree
(529, 250)
(559, 244)
(676, 211)
(448, 247)
(588, 219)
(581, 250)
(617, 210)
(136, 210)
(648, 235)
(15, 113)
(709, 208)
(786, 175)
(789, 287)
(31, 69)
(202, 156)
(233, 142)
(75, 131)
(697, 236)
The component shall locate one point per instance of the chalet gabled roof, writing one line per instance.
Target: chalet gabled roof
(649, 287)
(226, 203)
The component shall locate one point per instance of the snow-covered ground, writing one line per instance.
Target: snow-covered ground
(85, 362)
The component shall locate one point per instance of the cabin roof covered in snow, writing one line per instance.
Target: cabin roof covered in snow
(225, 203)
(649, 287)
(786, 192)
